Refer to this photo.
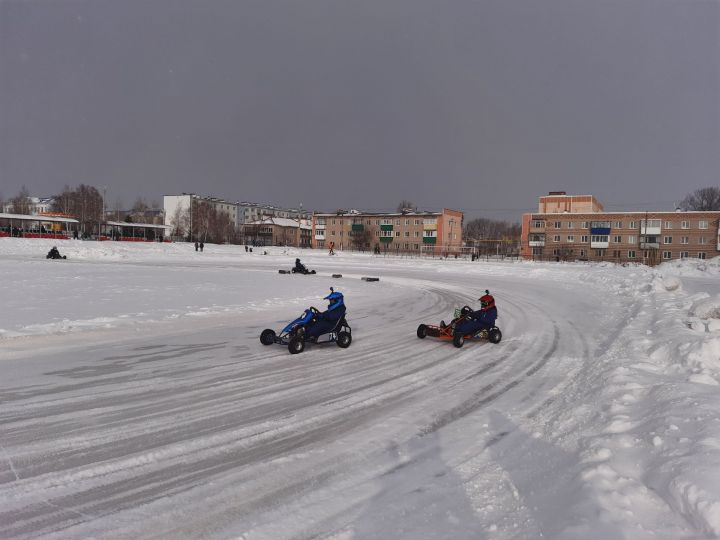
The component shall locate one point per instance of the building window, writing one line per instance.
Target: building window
(633, 225)
(397, 233)
(616, 253)
(667, 255)
(599, 252)
(684, 240)
(618, 225)
(417, 234)
(536, 251)
(570, 225)
(683, 254)
(584, 238)
(377, 233)
(632, 239)
(417, 222)
(684, 224)
(397, 222)
(407, 222)
(667, 240)
(631, 254)
(667, 225)
(599, 238)
(617, 239)
(558, 224)
(701, 255)
(556, 238)
(582, 253)
(702, 240)
(538, 224)
(333, 222)
(407, 233)
(703, 224)
(341, 233)
(584, 225)
(570, 238)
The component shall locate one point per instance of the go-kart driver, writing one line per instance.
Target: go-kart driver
(324, 322)
(300, 267)
(482, 319)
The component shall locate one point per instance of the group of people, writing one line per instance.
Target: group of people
(200, 245)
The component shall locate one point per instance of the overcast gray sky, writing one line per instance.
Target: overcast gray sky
(470, 104)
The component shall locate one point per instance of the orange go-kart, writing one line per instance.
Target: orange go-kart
(447, 331)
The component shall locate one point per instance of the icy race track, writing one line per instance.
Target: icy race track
(136, 400)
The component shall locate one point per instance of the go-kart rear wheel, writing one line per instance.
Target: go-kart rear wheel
(494, 335)
(267, 337)
(296, 345)
(422, 331)
(344, 339)
(458, 340)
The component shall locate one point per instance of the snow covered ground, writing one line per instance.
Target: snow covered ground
(136, 400)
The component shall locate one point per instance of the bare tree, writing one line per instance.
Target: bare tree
(405, 205)
(361, 239)
(702, 199)
(21, 203)
(84, 203)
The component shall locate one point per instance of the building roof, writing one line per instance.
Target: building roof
(45, 219)
(137, 225)
(281, 222)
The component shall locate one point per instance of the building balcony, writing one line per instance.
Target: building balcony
(429, 239)
(386, 227)
(357, 227)
(319, 237)
(386, 238)
(536, 243)
(319, 227)
(429, 226)
(599, 245)
(649, 245)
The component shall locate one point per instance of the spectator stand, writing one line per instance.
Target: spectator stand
(37, 226)
(134, 232)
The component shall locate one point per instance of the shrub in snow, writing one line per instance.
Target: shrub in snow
(706, 308)
(671, 283)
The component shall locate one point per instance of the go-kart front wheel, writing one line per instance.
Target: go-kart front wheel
(296, 345)
(267, 337)
(422, 331)
(458, 340)
(494, 335)
(344, 339)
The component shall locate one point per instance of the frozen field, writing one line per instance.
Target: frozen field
(136, 400)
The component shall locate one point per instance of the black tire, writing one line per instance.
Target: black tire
(458, 340)
(422, 331)
(296, 345)
(267, 337)
(344, 339)
(494, 335)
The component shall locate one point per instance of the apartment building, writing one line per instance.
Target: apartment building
(275, 231)
(410, 231)
(641, 237)
(239, 212)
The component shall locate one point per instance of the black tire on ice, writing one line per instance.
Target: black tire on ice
(344, 339)
(458, 340)
(267, 337)
(494, 335)
(422, 331)
(296, 345)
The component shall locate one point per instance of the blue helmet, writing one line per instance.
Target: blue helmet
(336, 300)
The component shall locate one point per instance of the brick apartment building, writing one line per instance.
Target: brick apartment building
(399, 232)
(577, 228)
(274, 231)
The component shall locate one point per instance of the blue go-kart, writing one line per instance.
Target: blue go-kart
(294, 334)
